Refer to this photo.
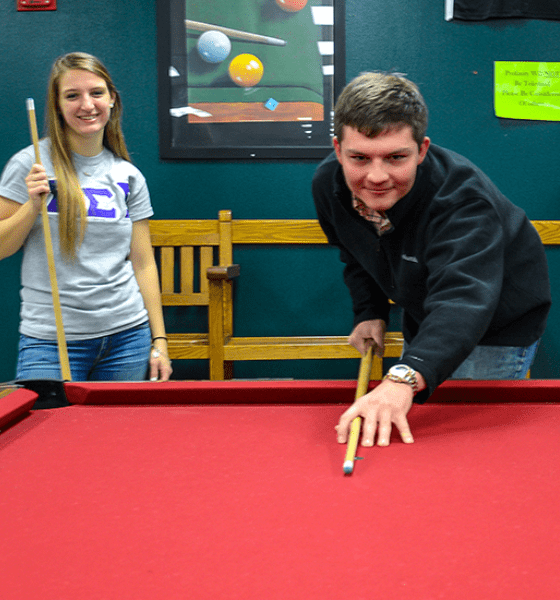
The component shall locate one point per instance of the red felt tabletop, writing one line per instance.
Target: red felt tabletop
(246, 502)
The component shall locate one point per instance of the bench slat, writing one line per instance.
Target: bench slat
(277, 231)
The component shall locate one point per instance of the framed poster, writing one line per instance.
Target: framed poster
(253, 79)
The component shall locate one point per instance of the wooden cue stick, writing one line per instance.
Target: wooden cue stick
(363, 384)
(235, 33)
(62, 349)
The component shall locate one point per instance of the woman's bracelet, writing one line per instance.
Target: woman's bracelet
(155, 352)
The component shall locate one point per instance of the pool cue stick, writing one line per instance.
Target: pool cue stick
(62, 349)
(363, 384)
(235, 33)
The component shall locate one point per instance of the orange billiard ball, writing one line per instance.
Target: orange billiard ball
(246, 70)
(291, 5)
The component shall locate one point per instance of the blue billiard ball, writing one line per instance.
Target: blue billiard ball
(213, 46)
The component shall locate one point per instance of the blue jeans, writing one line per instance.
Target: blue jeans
(122, 356)
(497, 362)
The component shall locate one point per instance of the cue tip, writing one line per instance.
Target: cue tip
(348, 467)
(30, 103)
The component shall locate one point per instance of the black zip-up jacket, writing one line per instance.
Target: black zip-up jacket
(465, 264)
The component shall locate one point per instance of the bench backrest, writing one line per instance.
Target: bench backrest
(185, 249)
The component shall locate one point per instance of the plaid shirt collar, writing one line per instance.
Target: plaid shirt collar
(378, 218)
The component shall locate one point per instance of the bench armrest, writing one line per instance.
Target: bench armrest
(218, 273)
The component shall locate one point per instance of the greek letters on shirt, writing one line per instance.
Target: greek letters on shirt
(101, 201)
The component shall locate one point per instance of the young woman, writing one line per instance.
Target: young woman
(98, 206)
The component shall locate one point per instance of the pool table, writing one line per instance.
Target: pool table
(235, 490)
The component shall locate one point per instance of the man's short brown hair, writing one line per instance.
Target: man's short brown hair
(375, 102)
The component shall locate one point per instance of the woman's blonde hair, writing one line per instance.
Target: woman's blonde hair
(70, 198)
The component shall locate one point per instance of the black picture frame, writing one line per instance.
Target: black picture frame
(288, 114)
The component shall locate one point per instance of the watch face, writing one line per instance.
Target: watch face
(400, 370)
(403, 374)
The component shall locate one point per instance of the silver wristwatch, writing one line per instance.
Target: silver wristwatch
(403, 374)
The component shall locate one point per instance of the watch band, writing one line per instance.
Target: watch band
(403, 374)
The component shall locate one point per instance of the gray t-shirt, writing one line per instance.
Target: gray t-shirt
(98, 291)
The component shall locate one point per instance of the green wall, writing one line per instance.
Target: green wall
(285, 291)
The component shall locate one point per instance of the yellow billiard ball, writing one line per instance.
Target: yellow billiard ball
(245, 70)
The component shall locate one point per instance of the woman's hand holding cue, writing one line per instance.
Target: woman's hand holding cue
(16, 220)
(37, 185)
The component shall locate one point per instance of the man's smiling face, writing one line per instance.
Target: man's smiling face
(380, 170)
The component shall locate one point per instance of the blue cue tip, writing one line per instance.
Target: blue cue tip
(348, 467)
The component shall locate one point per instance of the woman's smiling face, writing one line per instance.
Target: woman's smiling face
(85, 104)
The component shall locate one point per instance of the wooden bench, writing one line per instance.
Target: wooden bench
(197, 268)
(195, 259)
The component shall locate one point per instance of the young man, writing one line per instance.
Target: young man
(423, 226)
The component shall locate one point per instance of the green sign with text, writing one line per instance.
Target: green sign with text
(527, 90)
